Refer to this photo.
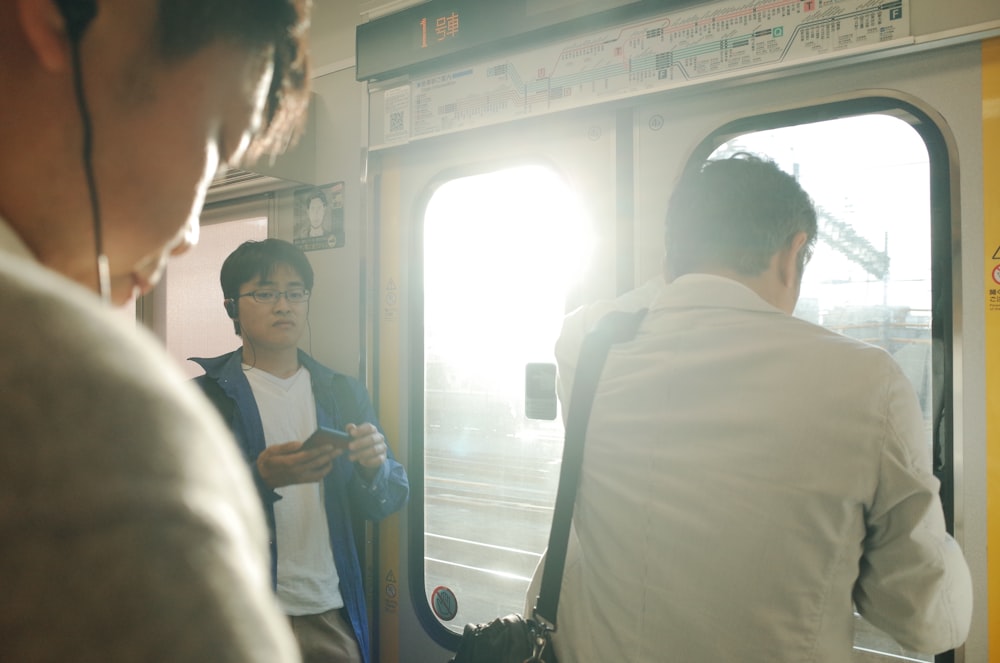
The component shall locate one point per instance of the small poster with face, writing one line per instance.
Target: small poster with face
(319, 217)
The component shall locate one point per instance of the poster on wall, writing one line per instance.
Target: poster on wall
(319, 217)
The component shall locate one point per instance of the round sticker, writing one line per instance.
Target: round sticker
(996, 274)
(444, 604)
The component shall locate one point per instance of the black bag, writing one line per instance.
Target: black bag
(515, 639)
(510, 639)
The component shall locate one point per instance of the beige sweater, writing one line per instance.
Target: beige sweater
(129, 528)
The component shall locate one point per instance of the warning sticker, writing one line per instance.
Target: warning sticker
(993, 299)
(444, 603)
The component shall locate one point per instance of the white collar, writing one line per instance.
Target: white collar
(710, 290)
(11, 242)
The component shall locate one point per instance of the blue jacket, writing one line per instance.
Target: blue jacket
(349, 498)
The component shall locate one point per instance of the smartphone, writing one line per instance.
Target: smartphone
(338, 439)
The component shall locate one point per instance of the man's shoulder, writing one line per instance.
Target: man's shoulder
(214, 363)
(92, 363)
(835, 354)
(834, 339)
(629, 302)
(59, 319)
(579, 322)
(92, 395)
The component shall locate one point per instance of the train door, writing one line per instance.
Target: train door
(898, 259)
(483, 241)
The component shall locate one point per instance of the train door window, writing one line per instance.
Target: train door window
(500, 251)
(187, 305)
(870, 276)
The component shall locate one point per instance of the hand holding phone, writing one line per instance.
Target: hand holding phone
(332, 437)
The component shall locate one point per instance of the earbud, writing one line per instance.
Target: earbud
(78, 15)
(231, 309)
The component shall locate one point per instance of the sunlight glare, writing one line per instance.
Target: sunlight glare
(501, 251)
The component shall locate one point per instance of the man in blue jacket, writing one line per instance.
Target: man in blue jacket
(274, 396)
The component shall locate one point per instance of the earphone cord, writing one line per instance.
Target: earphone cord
(103, 272)
(253, 351)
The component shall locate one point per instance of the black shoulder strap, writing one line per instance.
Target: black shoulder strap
(615, 327)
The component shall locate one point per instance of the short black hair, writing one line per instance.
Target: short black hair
(735, 213)
(254, 260)
(184, 27)
(316, 193)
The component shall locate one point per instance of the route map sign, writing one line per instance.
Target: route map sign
(706, 42)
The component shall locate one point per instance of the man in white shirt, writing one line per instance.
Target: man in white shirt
(750, 478)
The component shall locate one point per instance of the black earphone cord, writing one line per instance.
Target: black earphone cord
(103, 270)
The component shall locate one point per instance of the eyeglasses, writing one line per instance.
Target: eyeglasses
(292, 296)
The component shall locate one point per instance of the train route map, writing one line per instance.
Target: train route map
(696, 44)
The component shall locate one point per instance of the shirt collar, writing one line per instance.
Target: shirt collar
(710, 291)
(11, 242)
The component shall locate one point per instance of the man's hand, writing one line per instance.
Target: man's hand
(367, 448)
(286, 464)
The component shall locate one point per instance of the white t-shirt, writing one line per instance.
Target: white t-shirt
(308, 583)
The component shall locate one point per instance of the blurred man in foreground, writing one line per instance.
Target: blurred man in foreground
(129, 527)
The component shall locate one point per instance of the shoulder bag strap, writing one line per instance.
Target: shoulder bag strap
(613, 328)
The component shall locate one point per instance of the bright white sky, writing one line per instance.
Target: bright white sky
(496, 243)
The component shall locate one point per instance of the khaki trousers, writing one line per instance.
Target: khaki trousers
(326, 638)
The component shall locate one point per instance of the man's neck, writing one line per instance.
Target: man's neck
(282, 364)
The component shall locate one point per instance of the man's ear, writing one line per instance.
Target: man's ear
(788, 260)
(44, 29)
